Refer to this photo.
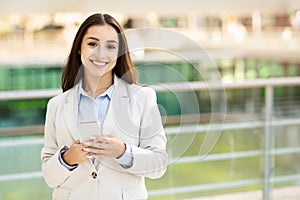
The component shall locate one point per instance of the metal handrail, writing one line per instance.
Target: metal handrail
(28, 94)
(165, 87)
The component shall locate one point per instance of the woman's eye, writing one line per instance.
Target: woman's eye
(92, 44)
(111, 47)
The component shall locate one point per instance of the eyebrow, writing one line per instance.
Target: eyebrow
(94, 38)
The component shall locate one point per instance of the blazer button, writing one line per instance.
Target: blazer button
(94, 175)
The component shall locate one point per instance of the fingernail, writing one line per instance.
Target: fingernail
(87, 143)
(86, 149)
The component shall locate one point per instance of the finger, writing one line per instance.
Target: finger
(97, 144)
(91, 138)
(90, 144)
(94, 151)
(77, 142)
(103, 138)
(92, 148)
(83, 151)
(106, 140)
(78, 146)
(89, 155)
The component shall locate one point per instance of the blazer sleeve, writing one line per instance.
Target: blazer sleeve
(54, 172)
(150, 157)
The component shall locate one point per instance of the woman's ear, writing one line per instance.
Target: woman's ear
(78, 51)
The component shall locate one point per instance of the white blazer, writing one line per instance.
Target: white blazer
(134, 118)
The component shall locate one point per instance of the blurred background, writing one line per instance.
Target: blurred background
(253, 117)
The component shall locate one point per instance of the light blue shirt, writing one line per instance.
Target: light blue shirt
(90, 109)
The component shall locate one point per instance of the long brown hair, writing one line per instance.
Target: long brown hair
(124, 66)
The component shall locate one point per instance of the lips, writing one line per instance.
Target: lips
(99, 63)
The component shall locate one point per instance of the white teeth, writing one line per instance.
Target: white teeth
(99, 63)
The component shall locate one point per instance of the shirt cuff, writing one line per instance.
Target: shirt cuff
(61, 160)
(126, 160)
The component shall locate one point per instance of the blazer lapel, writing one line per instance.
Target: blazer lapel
(70, 113)
(119, 104)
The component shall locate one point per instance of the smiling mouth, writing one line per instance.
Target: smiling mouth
(100, 64)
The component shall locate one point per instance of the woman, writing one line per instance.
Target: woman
(99, 85)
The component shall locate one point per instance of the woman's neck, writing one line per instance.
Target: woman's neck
(95, 86)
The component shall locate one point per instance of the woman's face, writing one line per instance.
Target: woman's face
(99, 50)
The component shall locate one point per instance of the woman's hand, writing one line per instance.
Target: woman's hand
(105, 146)
(75, 154)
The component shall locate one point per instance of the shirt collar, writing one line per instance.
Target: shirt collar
(107, 92)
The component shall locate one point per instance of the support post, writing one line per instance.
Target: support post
(268, 160)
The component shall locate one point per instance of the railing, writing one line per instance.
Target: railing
(268, 124)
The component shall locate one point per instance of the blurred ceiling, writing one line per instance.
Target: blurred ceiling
(140, 7)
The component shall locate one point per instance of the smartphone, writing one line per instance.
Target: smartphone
(88, 129)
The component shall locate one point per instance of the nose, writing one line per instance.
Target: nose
(101, 51)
